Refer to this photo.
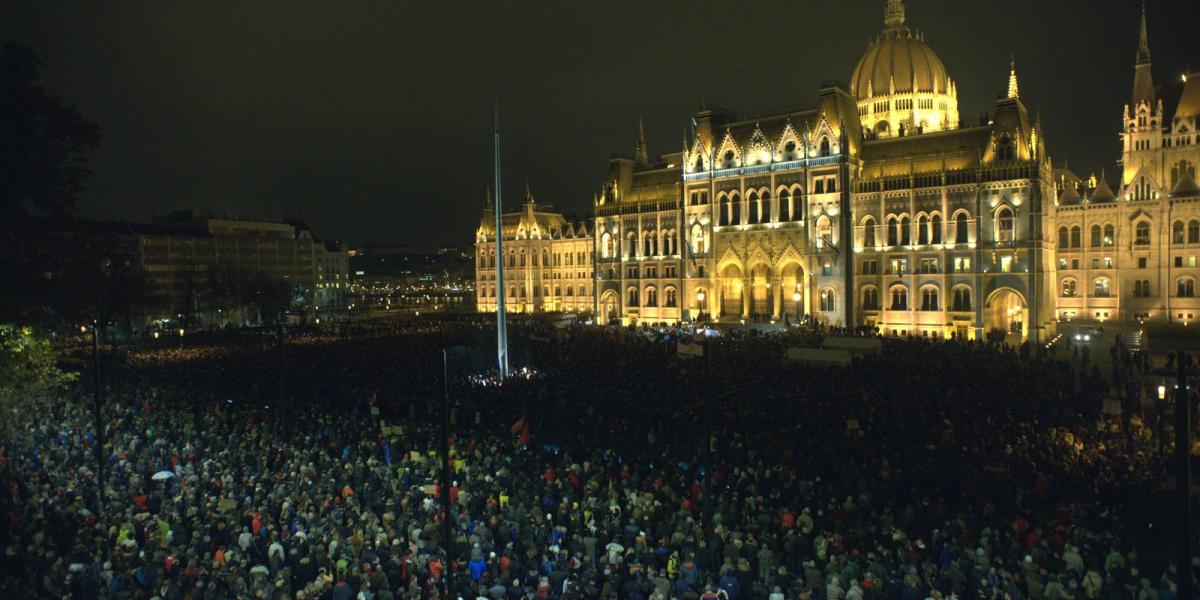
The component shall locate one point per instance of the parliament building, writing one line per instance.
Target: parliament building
(878, 207)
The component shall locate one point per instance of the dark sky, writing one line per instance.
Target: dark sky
(373, 120)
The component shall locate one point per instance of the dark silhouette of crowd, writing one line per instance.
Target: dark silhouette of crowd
(247, 468)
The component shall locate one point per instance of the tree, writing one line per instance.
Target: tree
(272, 296)
(45, 142)
(28, 368)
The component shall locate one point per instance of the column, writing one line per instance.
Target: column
(776, 297)
(747, 284)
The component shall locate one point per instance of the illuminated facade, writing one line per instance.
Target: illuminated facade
(880, 208)
(547, 261)
(1132, 255)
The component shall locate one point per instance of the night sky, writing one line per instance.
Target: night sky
(373, 120)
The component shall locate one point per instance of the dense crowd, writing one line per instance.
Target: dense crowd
(311, 470)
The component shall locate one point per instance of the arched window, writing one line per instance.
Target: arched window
(789, 150)
(752, 207)
(870, 299)
(651, 297)
(899, 298)
(1177, 233)
(935, 229)
(723, 210)
(1004, 150)
(1142, 234)
(1193, 232)
(962, 299)
(1076, 237)
(929, 299)
(1097, 236)
(727, 158)
(1185, 287)
(893, 231)
(1102, 287)
(905, 231)
(735, 203)
(492, 260)
(785, 205)
(632, 239)
(824, 232)
(1004, 225)
(824, 145)
(922, 230)
(698, 245)
(869, 232)
(522, 257)
(699, 164)
(558, 291)
(670, 298)
(1069, 288)
(648, 243)
(1110, 236)
(962, 231)
(606, 247)
(765, 208)
(1064, 237)
(828, 300)
(633, 296)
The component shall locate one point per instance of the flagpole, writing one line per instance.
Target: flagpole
(501, 325)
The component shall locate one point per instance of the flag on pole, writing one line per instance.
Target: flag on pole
(522, 428)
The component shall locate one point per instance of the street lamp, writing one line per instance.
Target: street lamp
(700, 301)
(796, 301)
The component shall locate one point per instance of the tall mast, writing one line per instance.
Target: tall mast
(501, 327)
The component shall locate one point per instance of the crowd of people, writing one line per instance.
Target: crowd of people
(311, 470)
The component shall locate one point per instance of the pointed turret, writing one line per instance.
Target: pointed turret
(1013, 90)
(528, 194)
(1143, 82)
(640, 155)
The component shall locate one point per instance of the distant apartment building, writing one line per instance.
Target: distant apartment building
(191, 259)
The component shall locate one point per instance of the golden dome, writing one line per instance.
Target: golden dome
(898, 61)
(901, 84)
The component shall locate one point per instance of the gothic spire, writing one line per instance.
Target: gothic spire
(1143, 82)
(1013, 90)
(1143, 54)
(640, 154)
(487, 199)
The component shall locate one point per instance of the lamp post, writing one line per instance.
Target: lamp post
(99, 447)
(181, 338)
(1183, 473)
(1162, 409)
(700, 302)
